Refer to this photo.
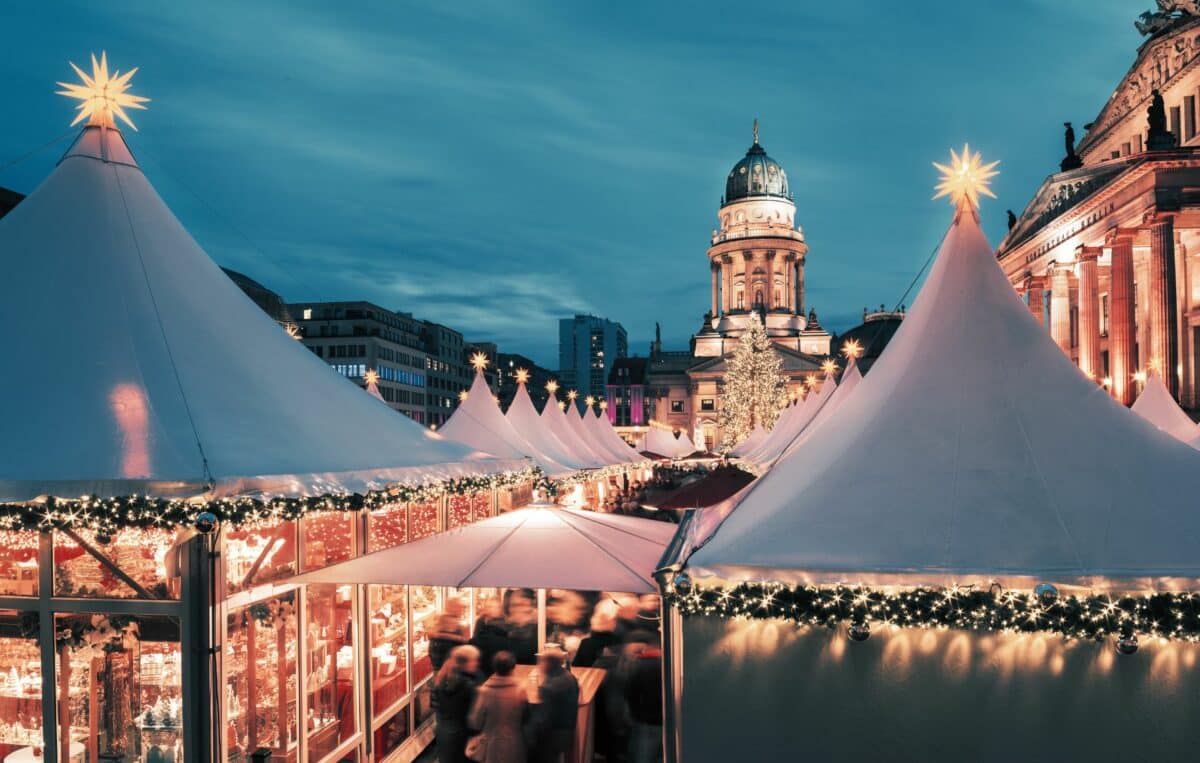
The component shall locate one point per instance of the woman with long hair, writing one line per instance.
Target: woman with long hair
(453, 695)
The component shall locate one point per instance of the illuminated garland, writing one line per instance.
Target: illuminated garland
(1173, 616)
(106, 516)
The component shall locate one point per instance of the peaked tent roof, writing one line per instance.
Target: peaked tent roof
(989, 454)
(850, 379)
(534, 547)
(556, 419)
(607, 436)
(1156, 405)
(664, 443)
(536, 430)
(136, 386)
(752, 441)
(574, 420)
(786, 432)
(479, 423)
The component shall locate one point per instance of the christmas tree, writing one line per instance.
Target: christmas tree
(755, 387)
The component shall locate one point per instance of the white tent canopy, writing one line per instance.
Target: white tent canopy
(686, 446)
(534, 547)
(574, 421)
(786, 432)
(827, 412)
(974, 447)
(754, 439)
(604, 434)
(664, 443)
(1156, 405)
(525, 420)
(149, 371)
(556, 421)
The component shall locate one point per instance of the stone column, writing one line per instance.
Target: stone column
(1035, 290)
(799, 285)
(1120, 315)
(727, 283)
(769, 297)
(1060, 306)
(1164, 318)
(1089, 311)
(716, 272)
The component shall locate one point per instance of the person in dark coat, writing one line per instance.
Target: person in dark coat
(448, 632)
(643, 695)
(491, 635)
(499, 715)
(557, 711)
(603, 635)
(453, 697)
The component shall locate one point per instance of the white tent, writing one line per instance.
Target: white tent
(974, 446)
(525, 420)
(827, 412)
(686, 446)
(604, 434)
(148, 371)
(556, 421)
(1156, 405)
(786, 432)
(479, 423)
(534, 547)
(574, 419)
(753, 440)
(664, 443)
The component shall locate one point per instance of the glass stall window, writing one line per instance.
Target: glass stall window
(329, 538)
(389, 646)
(19, 563)
(135, 563)
(20, 686)
(387, 527)
(424, 606)
(259, 553)
(392, 733)
(331, 696)
(261, 679)
(120, 695)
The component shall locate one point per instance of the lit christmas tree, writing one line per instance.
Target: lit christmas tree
(755, 387)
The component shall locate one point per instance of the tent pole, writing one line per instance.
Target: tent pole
(672, 636)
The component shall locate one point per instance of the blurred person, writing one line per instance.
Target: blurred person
(520, 618)
(448, 632)
(557, 711)
(501, 709)
(643, 697)
(453, 695)
(491, 633)
(603, 635)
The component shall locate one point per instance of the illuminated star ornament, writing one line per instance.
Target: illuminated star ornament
(479, 361)
(371, 377)
(522, 375)
(965, 179)
(829, 367)
(852, 348)
(572, 395)
(462, 396)
(552, 387)
(102, 96)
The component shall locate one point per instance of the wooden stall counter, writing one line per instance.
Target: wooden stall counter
(589, 683)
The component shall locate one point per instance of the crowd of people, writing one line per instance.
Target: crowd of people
(486, 714)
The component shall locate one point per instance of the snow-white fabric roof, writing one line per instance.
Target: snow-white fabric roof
(607, 437)
(752, 441)
(533, 547)
(1156, 405)
(664, 443)
(574, 420)
(536, 431)
(786, 431)
(826, 413)
(146, 370)
(556, 421)
(479, 423)
(974, 446)
(686, 446)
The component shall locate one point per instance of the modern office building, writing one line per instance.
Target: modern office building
(449, 374)
(587, 347)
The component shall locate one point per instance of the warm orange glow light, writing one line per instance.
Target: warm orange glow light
(462, 396)
(102, 96)
(522, 375)
(604, 405)
(371, 377)
(132, 413)
(479, 361)
(829, 367)
(590, 401)
(552, 387)
(852, 348)
(965, 179)
(572, 395)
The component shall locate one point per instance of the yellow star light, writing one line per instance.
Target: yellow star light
(829, 367)
(552, 387)
(372, 376)
(572, 395)
(103, 96)
(462, 396)
(810, 381)
(590, 401)
(965, 179)
(522, 375)
(852, 348)
(479, 361)
(604, 405)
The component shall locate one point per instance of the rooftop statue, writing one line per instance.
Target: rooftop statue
(1157, 134)
(1151, 23)
(1071, 161)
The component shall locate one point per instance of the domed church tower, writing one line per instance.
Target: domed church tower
(757, 261)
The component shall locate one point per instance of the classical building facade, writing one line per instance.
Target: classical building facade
(756, 259)
(1107, 253)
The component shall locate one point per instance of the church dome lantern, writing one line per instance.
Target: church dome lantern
(756, 175)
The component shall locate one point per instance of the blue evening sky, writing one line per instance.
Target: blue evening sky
(495, 166)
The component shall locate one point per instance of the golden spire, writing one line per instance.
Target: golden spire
(756, 131)
(965, 179)
(102, 96)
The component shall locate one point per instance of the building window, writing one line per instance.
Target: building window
(708, 404)
(676, 406)
(1103, 315)
(1189, 117)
